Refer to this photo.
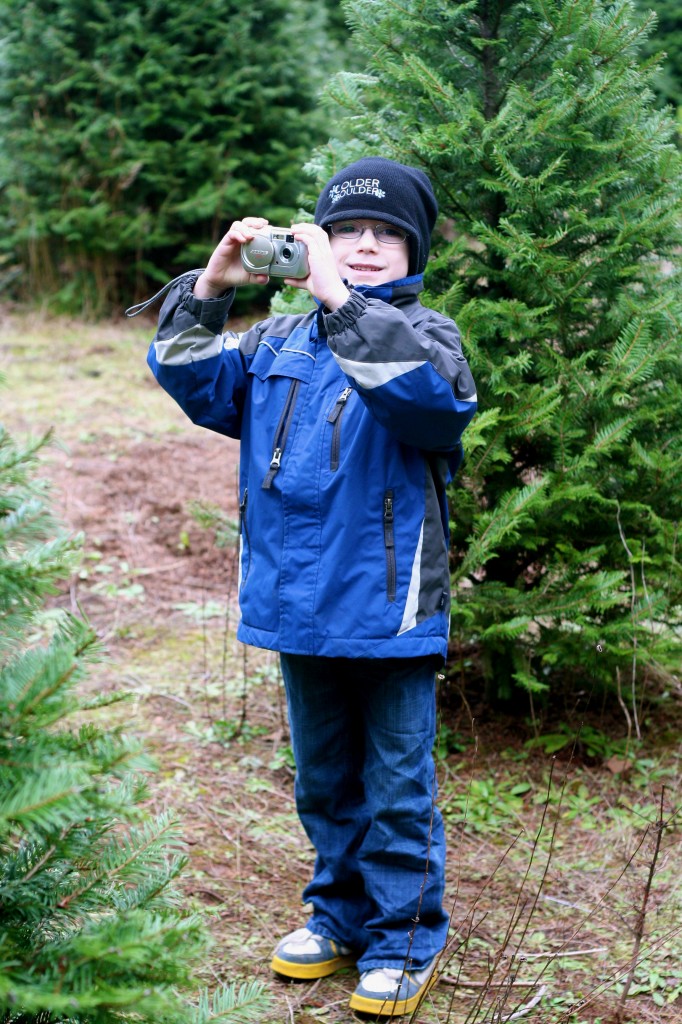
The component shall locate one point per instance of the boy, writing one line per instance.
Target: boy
(350, 419)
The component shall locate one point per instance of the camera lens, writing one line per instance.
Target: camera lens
(257, 254)
(286, 253)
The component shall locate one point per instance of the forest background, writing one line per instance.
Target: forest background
(127, 146)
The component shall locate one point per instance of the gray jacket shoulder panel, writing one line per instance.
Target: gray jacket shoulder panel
(279, 326)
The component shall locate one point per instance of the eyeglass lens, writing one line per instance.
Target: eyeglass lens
(382, 232)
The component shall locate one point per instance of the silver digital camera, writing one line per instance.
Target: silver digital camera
(275, 251)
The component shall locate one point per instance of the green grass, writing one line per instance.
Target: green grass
(81, 379)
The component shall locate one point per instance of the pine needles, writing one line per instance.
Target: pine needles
(92, 925)
(560, 187)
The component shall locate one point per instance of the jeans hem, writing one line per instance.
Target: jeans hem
(395, 963)
(327, 933)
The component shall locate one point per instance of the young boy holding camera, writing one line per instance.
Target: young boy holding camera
(349, 418)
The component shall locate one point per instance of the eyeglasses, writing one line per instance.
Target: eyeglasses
(384, 233)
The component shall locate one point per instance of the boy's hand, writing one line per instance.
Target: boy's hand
(225, 270)
(324, 281)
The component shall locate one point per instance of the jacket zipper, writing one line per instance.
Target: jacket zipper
(389, 545)
(281, 434)
(244, 532)
(335, 418)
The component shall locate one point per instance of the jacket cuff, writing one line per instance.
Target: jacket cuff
(346, 315)
(211, 313)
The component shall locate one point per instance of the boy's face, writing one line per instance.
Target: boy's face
(367, 260)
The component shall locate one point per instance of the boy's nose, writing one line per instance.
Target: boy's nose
(364, 242)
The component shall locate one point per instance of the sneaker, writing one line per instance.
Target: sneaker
(391, 992)
(305, 955)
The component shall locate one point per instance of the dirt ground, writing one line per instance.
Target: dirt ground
(548, 857)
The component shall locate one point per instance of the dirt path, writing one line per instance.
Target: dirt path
(546, 859)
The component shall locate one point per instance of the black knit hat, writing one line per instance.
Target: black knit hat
(379, 189)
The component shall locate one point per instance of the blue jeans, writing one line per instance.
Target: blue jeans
(362, 733)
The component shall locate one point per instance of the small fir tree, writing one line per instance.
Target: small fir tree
(92, 928)
(560, 190)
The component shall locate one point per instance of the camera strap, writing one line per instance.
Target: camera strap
(141, 306)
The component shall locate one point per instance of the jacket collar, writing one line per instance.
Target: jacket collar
(392, 291)
(405, 287)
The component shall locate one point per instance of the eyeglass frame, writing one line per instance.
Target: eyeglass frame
(403, 235)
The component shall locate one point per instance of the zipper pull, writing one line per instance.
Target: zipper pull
(338, 407)
(276, 461)
(388, 508)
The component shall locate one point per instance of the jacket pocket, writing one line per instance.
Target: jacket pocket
(245, 554)
(389, 546)
(335, 417)
(282, 433)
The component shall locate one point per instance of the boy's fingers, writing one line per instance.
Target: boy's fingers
(250, 224)
(243, 230)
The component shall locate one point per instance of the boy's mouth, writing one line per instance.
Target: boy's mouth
(363, 267)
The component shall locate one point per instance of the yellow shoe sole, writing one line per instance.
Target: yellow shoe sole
(392, 1007)
(308, 972)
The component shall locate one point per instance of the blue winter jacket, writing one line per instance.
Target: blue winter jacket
(349, 423)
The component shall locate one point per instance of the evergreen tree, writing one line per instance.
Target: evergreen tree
(133, 131)
(560, 189)
(666, 38)
(91, 926)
